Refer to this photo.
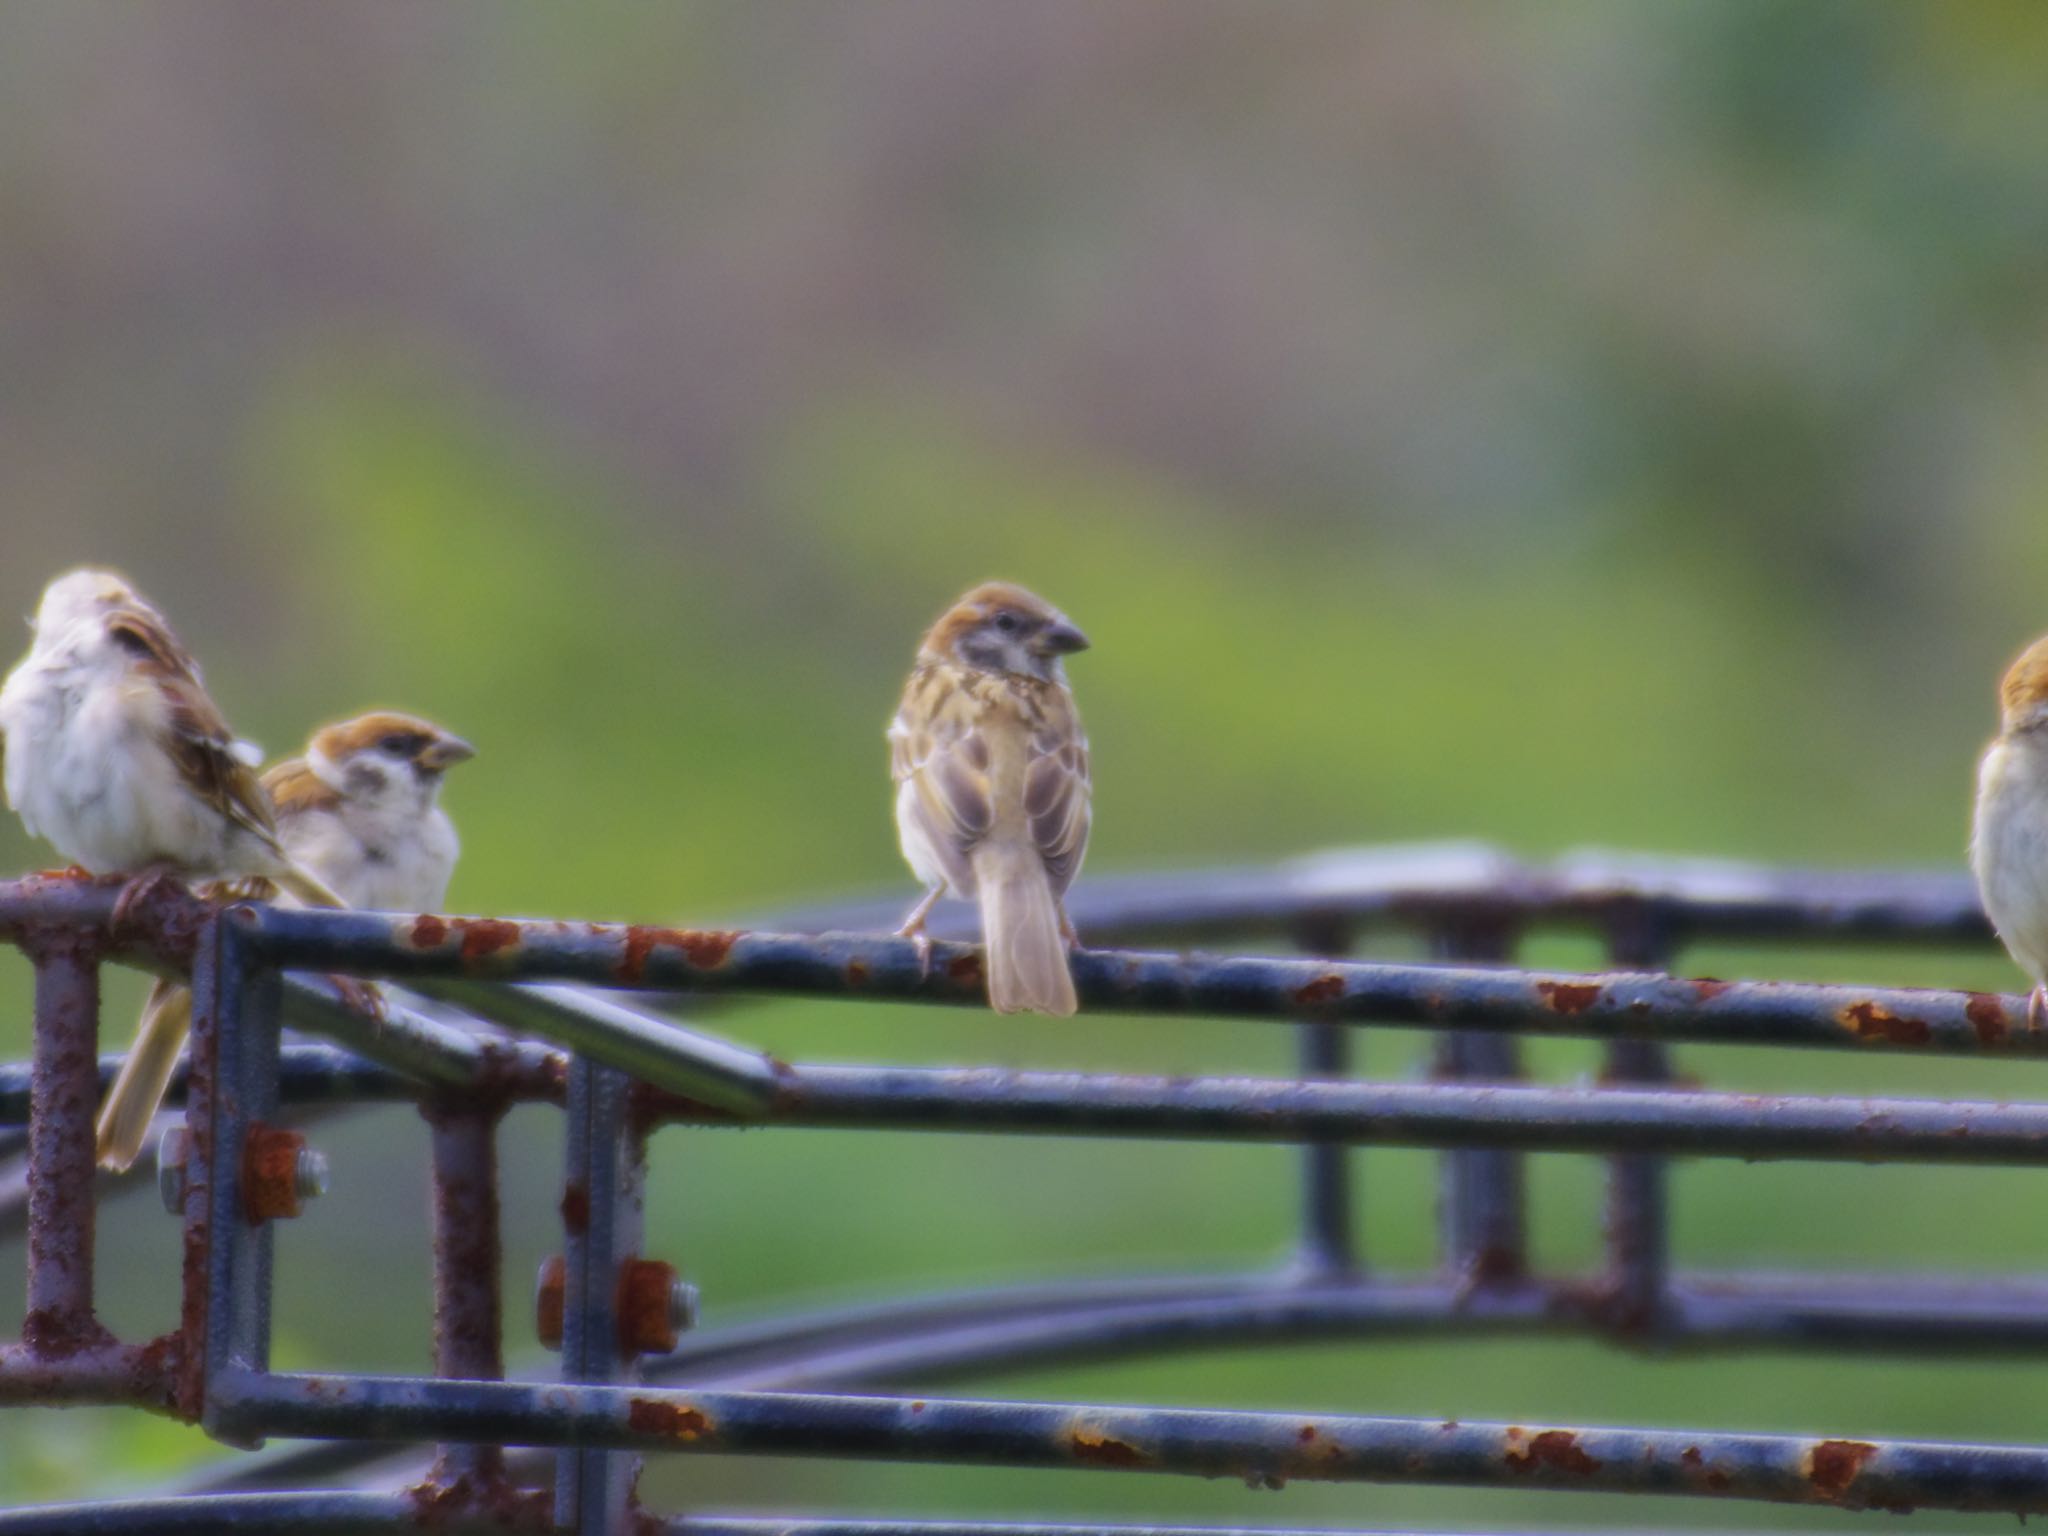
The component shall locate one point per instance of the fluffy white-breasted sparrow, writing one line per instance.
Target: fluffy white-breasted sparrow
(116, 754)
(992, 787)
(362, 810)
(2009, 836)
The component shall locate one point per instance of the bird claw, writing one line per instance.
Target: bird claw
(922, 943)
(138, 889)
(1067, 935)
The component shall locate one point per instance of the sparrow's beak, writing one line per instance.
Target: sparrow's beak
(1062, 638)
(444, 752)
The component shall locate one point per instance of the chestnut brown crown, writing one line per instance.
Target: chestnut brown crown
(1002, 627)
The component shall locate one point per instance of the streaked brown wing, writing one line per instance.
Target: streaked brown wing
(199, 741)
(1057, 789)
(295, 790)
(936, 745)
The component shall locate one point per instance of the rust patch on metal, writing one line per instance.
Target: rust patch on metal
(429, 932)
(1707, 988)
(1324, 989)
(1986, 1013)
(856, 973)
(646, 1326)
(1306, 1434)
(483, 937)
(967, 969)
(575, 1210)
(1569, 997)
(677, 1421)
(1556, 1450)
(706, 949)
(1832, 1465)
(270, 1173)
(1872, 1021)
(1102, 1450)
(550, 1300)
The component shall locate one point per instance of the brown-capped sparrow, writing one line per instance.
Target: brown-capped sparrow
(360, 811)
(991, 770)
(2009, 836)
(117, 755)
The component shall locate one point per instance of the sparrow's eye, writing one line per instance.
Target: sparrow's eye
(398, 744)
(1007, 622)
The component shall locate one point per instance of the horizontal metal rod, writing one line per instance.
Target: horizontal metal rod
(1421, 885)
(1540, 1119)
(655, 1050)
(1619, 1004)
(345, 1514)
(302, 1514)
(755, 1525)
(107, 1372)
(929, 1339)
(1269, 1448)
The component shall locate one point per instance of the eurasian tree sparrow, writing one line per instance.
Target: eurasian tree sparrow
(991, 770)
(116, 754)
(2009, 840)
(359, 811)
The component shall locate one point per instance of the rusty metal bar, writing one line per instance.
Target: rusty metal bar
(1638, 1223)
(1271, 1448)
(64, 1096)
(1481, 1221)
(241, 998)
(878, 968)
(1328, 1245)
(602, 1214)
(997, 1100)
(468, 1261)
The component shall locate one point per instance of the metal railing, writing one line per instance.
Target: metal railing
(632, 1383)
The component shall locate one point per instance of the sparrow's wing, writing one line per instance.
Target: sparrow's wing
(1056, 788)
(198, 738)
(295, 790)
(937, 747)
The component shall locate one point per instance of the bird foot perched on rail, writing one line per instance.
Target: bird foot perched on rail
(139, 888)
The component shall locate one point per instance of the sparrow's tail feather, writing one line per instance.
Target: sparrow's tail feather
(306, 885)
(131, 1103)
(1020, 923)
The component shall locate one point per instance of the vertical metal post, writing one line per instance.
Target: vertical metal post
(1481, 1220)
(468, 1311)
(64, 1090)
(1327, 1242)
(1639, 937)
(602, 1216)
(244, 1002)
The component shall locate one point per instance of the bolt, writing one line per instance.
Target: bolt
(682, 1305)
(171, 1149)
(309, 1174)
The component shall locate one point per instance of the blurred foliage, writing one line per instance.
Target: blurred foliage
(1552, 424)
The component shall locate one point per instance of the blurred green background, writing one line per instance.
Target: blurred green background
(1549, 423)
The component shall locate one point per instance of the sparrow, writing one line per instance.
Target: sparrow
(117, 755)
(360, 812)
(992, 789)
(2009, 834)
